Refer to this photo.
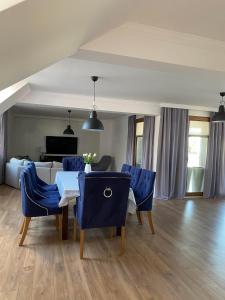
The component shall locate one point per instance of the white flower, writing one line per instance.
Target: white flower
(94, 154)
(85, 154)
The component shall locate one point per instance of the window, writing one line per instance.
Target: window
(138, 142)
(197, 153)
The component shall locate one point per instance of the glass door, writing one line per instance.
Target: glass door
(138, 142)
(197, 152)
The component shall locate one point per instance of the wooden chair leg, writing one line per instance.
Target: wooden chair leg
(25, 228)
(21, 228)
(139, 217)
(150, 221)
(81, 243)
(75, 229)
(122, 240)
(111, 232)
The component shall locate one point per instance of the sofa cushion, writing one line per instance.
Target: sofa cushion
(57, 164)
(43, 164)
(26, 162)
(16, 161)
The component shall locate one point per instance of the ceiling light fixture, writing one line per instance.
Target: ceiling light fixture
(93, 123)
(68, 129)
(220, 115)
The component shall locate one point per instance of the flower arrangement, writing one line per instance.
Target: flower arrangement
(89, 157)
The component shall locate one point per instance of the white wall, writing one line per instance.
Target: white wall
(119, 141)
(27, 134)
(106, 138)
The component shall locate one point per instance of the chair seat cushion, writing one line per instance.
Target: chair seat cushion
(48, 194)
(52, 205)
(50, 187)
(51, 194)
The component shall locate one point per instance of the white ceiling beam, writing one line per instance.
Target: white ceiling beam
(151, 44)
(13, 94)
(82, 102)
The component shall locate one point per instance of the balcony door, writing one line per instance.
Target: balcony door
(197, 152)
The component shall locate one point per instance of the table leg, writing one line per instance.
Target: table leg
(118, 231)
(64, 222)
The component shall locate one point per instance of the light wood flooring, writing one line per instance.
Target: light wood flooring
(185, 259)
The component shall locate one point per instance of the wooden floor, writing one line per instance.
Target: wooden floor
(184, 260)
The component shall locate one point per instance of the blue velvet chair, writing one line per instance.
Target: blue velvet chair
(135, 174)
(34, 205)
(143, 193)
(102, 203)
(125, 168)
(43, 185)
(73, 163)
(40, 190)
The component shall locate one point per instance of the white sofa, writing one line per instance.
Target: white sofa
(45, 170)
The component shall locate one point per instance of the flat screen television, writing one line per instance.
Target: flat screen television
(61, 145)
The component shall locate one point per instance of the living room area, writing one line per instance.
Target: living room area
(30, 128)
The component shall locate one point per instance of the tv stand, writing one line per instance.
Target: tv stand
(45, 157)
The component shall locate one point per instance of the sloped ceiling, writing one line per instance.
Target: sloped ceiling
(200, 17)
(35, 34)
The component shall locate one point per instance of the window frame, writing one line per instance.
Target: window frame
(139, 120)
(202, 119)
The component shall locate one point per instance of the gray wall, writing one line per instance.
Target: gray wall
(27, 135)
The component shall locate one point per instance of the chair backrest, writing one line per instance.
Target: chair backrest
(36, 188)
(135, 174)
(125, 168)
(30, 205)
(73, 163)
(33, 172)
(103, 199)
(144, 189)
(103, 164)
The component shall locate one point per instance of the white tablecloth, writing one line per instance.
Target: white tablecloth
(67, 182)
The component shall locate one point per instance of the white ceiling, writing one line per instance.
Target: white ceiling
(57, 112)
(157, 84)
(35, 34)
(45, 31)
(200, 17)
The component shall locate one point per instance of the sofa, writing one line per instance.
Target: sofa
(45, 170)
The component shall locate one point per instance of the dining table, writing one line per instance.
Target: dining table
(68, 186)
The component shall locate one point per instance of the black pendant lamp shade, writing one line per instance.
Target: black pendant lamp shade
(93, 123)
(220, 115)
(68, 129)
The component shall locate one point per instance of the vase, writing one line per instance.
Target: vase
(87, 168)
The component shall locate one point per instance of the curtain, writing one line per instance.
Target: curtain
(172, 156)
(214, 183)
(3, 143)
(131, 139)
(148, 142)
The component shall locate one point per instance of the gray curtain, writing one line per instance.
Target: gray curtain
(172, 154)
(214, 183)
(148, 142)
(131, 139)
(3, 144)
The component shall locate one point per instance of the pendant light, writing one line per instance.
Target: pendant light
(93, 123)
(220, 115)
(68, 129)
